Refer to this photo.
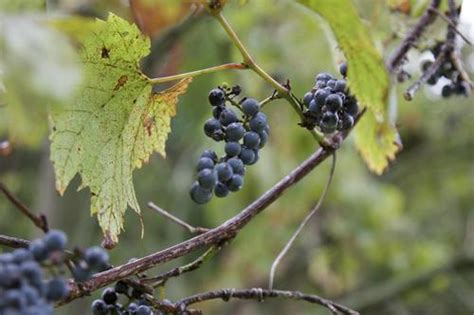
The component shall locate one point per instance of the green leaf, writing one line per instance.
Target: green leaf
(377, 142)
(115, 123)
(368, 79)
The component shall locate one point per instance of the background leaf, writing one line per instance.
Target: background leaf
(376, 142)
(115, 123)
(27, 59)
(367, 78)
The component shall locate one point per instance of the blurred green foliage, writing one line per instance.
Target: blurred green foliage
(371, 231)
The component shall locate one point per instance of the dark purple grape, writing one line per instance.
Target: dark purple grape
(221, 190)
(237, 166)
(38, 249)
(55, 240)
(210, 154)
(343, 69)
(109, 296)
(333, 103)
(323, 76)
(345, 122)
(232, 148)
(258, 122)
(247, 156)
(216, 97)
(97, 258)
(99, 307)
(227, 117)
(314, 108)
(251, 140)
(250, 107)
(224, 171)
(340, 86)
(235, 131)
(207, 178)
(235, 183)
(320, 96)
(307, 98)
(211, 126)
(200, 195)
(329, 122)
(56, 289)
(204, 163)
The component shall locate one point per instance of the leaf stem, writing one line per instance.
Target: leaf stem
(227, 66)
(250, 62)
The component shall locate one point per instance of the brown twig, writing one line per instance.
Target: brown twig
(260, 294)
(161, 279)
(222, 233)
(428, 17)
(450, 23)
(225, 231)
(448, 51)
(13, 242)
(453, 52)
(178, 221)
(38, 220)
(412, 89)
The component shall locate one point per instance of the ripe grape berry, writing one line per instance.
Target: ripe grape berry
(30, 281)
(455, 85)
(135, 303)
(244, 135)
(329, 106)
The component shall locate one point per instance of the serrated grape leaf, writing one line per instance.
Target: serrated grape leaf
(115, 123)
(377, 142)
(367, 78)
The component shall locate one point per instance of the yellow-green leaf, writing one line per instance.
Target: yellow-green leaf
(114, 124)
(377, 142)
(367, 76)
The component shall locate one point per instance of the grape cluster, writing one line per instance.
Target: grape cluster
(329, 105)
(446, 70)
(243, 136)
(109, 302)
(25, 288)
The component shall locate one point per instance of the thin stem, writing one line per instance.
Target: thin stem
(269, 99)
(178, 221)
(313, 211)
(40, 220)
(161, 279)
(260, 294)
(412, 89)
(13, 242)
(227, 66)
(450, 23)
(410, 40)
(249, 61)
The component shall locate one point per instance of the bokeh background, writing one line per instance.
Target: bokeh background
(390, 244)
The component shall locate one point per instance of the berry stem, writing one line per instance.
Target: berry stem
(250, 62)
(175, 77)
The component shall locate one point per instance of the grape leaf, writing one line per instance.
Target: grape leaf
(377, 142)
(114, 124)
(367, 78)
